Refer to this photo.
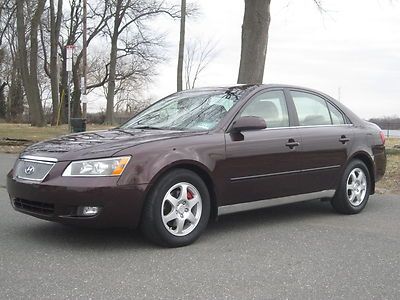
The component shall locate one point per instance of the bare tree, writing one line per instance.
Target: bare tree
(133, 51)
(130, 14)
(254, 41)
(6, 9)
(255, 31)
(10, 70)
(3, 85)
(197, 58)
(29, 58)
(71, 33)
(55, 26)
(132, 76)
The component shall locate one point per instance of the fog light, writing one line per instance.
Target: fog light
(88, 211)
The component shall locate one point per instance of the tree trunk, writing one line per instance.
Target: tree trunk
(55, 23)
(181, 46)
(111, 83)
(254, 41)
(3, 105)
(63, 90)
(15, 107)
(113, 65)
(29, 71)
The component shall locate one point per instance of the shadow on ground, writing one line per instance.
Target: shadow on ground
(56, 235)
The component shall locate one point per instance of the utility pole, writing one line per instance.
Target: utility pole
(181, 47)
(84, 71)
(69, 57)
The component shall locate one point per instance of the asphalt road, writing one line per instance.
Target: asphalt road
(300, 251)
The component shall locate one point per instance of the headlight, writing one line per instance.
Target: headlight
(97, 167)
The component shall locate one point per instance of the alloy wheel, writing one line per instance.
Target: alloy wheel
(356, 187)
(181, 209)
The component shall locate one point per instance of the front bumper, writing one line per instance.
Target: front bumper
(58, 198)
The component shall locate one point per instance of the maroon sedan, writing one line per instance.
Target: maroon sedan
(198, 154)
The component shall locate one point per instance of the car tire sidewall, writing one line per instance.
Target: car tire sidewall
(341, 201)
(158, 194)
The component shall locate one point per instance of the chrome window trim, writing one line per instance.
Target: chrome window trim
(245, 206)
(39, 158)
(40, 162)
(330, 125)
(308, 126)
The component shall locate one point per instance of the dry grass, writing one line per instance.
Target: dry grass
(15, 137)
(35, 134)
(391, 181)
(391, 142)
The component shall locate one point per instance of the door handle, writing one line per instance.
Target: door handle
(343, 139)
(291, 143)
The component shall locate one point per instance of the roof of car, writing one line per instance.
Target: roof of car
(246, 86)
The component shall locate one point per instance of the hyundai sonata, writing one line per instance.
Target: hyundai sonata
(201, 153)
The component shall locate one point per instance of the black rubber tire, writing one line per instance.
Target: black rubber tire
(340, 201)
(152, 225)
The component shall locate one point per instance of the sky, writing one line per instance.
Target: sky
(351, 51)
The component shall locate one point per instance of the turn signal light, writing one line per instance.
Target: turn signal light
(119, 168)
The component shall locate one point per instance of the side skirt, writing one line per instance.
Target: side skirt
(229, 209)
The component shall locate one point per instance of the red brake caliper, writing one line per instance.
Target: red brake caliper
(189, 194)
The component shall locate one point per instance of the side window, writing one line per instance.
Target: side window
(336, 115)
(311, 109)
(271, 106)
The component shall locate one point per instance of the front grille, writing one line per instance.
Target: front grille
(34, 206)
(32, 170)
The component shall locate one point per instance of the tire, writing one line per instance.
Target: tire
(172, 217)
(352, 195)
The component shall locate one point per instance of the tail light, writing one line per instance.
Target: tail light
(383, 138)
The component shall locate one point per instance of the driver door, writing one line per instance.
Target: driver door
(263, 164)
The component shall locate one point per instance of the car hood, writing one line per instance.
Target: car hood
(96, 144)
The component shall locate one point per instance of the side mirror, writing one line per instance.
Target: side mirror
(248, 123)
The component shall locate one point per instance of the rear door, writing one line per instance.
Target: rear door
(263, 164)
(326, 139)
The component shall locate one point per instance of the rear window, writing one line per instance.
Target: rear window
(313, 110)
(336, 115)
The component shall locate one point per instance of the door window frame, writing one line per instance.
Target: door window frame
(292, 116)
(290, 102)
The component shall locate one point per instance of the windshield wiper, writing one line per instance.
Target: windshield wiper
(147, 127)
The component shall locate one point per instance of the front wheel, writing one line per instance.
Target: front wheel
(353, 192)
(177, 210)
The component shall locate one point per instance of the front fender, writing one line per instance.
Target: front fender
(152, 159)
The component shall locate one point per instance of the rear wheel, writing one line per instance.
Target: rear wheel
(353, 193)
(177, 210)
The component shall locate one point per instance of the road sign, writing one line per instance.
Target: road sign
(69, 55)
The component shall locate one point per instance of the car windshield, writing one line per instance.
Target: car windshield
(189, 110)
